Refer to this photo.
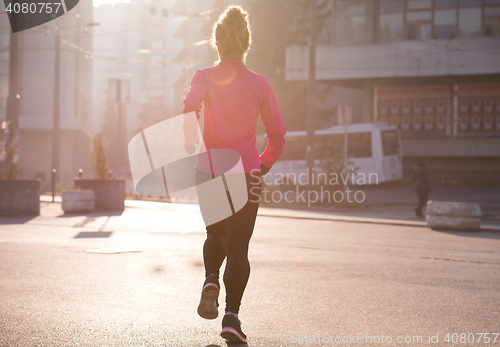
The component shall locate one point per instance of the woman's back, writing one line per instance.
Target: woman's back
(233, 97)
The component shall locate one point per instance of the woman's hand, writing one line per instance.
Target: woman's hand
(264, 169)
(190, 149)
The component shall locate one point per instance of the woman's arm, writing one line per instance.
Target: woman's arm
(275, 128)
(196, 94)
(192, 103)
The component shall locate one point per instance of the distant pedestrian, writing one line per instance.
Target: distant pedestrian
(422, 185)
(233, 98)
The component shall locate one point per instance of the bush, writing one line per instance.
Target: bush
(100, 161)
(9, 171)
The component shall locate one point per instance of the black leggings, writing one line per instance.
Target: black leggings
(230, 238)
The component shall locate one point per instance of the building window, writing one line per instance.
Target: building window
(469, 19)
(325, 36)
(478, 110)
(445, 4)
(349, 21)
(445, 22)
(418, 20)
(491, 27)
(492, 18)
(391, 21)
(438, 19)
(390, 142)
(470, 3)
(360, 145)
(419, 4)
(418, 111)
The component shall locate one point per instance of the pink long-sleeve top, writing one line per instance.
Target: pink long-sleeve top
(233, 97)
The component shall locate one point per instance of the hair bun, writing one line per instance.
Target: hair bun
(235, 16)
(235, 11)
(232, 31)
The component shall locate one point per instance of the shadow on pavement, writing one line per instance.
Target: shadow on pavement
(15, 220)
(479, 234)
(92, 218)
(93, 234)
(230, 344)
(92, 214)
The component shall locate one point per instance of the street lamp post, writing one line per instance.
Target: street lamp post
(13, 99)
(56, 134)
(310, 95)
(14, 96)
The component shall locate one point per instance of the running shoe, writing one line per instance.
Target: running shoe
(208, 307)
(231, 329)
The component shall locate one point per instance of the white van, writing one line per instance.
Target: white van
(374, 149)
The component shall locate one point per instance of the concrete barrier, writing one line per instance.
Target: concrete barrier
(109, 192)
(78, 201)
(453, 215)
(19, 197)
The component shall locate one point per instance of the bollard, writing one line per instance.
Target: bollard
(110, 173)
(53, 184)
(80, 173)
(453, 215)
(74, 201)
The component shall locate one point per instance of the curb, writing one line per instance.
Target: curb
(360, 220)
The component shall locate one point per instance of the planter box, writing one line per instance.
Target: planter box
(453, 215)
(74, 201)
(109, 192)
(19, 197)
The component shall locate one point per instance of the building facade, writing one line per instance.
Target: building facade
(430, 67)
(36, 81)
(4, 76)
(133, 48)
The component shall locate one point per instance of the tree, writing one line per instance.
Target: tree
(9, 171)
(100, 160)
(277, 24)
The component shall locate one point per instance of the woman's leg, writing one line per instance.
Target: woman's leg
(239, 231)
(214, 249)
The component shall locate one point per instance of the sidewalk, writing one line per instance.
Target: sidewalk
(378, 210)
(390, 216)
(487, 197)
(394, 205)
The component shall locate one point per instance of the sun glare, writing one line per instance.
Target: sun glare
(97, 3)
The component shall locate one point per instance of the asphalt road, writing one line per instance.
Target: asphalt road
(329, 279)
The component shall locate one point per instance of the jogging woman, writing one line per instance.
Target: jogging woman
(233, 97)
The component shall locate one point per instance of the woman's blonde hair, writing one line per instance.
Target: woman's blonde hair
(232, 32)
